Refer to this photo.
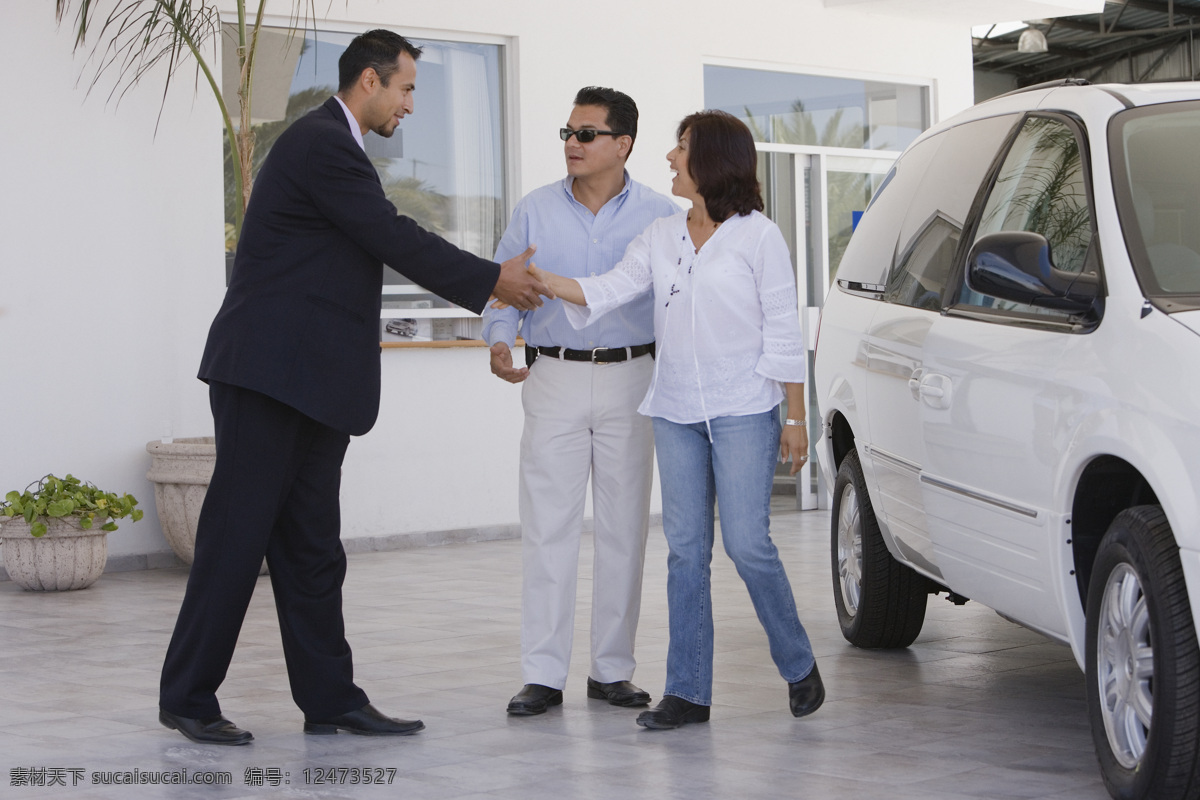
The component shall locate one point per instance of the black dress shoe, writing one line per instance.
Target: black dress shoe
(208, 730)
(367, 721)
(672, 712)
(534, 699)
(618, 693)
(805, 696)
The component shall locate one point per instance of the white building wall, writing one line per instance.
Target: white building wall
(109, 235)
(111, 266)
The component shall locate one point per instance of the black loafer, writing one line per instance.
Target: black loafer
(672, 712)
(534, 699)
(207, 730)
(805, 696)
(366, 721)
(618, 693)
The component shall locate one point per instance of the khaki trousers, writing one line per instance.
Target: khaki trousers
(581, 419)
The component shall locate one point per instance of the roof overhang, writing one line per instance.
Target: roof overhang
(975, 12)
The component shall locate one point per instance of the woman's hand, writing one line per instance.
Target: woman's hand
(793, 439)
(793, 443)
(565, 288)
(541, 274)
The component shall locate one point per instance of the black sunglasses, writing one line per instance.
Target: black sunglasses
(584, 136)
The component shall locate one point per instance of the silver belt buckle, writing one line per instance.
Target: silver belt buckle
(628, 354)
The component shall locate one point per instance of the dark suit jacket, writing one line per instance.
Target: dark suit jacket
(300, 321)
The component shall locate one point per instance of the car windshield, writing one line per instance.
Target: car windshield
(1156, 173)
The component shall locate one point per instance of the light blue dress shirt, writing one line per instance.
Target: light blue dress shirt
(574, 243)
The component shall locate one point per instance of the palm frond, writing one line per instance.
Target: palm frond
(138, 36)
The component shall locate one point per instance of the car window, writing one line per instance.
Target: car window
(920, 275)
(1041, 187)
(1157, 173)
(868, 256)
(936, 207)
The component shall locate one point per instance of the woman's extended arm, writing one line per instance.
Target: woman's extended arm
(631, 277)
(565, 288)
(626, 280)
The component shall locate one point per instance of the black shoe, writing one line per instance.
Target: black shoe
(672, 712)
(367, 721)
(209, 730)
(534, 699)
(805, 696)
(618, 693)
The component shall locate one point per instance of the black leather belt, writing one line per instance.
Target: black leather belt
(601, 355)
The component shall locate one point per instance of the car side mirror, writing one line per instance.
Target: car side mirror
(1017, 266)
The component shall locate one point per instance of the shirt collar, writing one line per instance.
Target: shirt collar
(569, 181)
(354, 128)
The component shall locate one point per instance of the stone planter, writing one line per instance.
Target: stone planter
(66, 557)
(181, 471)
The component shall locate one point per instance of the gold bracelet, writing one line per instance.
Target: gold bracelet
(800, 422)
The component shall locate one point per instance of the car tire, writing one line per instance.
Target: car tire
(1142, 662)
(880, 602)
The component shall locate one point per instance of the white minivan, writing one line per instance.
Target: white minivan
(1008, 376)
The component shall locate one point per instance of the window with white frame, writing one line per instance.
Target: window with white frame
(444, 167)
(819, 110)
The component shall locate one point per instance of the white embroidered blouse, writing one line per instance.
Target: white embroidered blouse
(725, 319)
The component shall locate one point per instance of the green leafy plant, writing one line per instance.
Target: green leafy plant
(53, 498)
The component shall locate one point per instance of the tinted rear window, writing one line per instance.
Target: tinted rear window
(935, 179)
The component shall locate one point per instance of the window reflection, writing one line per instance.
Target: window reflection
(443, 168)
(791, 108)
(849, 192)
(1041, 188)
(921, 274)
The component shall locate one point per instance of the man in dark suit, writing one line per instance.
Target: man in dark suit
(292, 363)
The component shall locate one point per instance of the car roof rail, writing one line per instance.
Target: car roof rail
(1047, 85)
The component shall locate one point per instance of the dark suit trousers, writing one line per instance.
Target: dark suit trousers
(274, 492)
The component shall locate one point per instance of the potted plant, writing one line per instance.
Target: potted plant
(180, 471)
(54, 532)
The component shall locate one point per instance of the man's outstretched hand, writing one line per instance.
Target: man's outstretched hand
(517, 287)
(502, 364)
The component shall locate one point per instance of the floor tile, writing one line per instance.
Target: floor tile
(976, 708)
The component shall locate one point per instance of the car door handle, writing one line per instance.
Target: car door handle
(933, 389)
(914, 382)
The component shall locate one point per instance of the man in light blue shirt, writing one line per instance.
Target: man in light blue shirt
(580, 397)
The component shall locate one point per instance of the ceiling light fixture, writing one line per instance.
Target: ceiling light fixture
(1032, 41)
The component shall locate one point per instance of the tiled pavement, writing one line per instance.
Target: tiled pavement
(976, 708)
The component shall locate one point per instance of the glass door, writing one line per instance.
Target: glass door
(815, 196)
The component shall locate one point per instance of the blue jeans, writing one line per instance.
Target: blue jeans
(738, 467)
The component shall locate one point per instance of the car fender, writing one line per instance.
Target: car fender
(1159, 453)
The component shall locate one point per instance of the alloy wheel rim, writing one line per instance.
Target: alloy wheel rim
(1125, 666)
(849, 550)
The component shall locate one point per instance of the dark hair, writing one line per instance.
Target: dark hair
(620, 110)
(379, 49)
(723, 163)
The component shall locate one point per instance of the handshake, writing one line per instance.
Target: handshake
(520, 286)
